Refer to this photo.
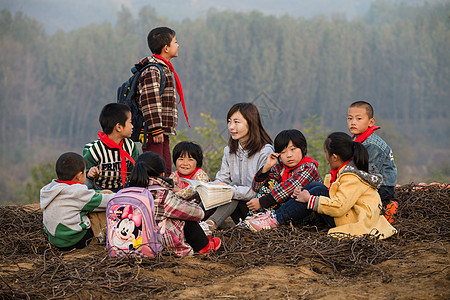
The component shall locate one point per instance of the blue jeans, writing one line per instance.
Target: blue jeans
(294, 211)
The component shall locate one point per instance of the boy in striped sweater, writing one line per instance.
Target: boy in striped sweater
(111, 157)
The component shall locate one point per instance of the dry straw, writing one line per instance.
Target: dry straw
(31, 268)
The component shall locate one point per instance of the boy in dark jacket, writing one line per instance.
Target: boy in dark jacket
(361, 124)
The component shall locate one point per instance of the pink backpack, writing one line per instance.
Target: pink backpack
(130, 224)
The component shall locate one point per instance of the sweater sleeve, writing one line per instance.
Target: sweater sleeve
(176, 207)
(92, 200)
(302, 176)
(87, 155)
(246, 192)
(343, 195)
(224, 174)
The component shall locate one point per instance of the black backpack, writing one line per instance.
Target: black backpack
(127, 94)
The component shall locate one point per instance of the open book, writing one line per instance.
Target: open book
(212, 195)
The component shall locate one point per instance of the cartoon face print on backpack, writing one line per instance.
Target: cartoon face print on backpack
(127, 230)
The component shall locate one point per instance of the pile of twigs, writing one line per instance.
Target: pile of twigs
(294, 246)
(31, 268)
(424, 212)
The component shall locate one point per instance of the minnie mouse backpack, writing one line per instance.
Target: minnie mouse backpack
(131, 229)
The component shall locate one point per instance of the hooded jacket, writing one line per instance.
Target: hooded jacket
(238, 170)
(355, 204)
(65, 207)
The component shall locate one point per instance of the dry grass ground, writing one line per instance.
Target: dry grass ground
(287, 263)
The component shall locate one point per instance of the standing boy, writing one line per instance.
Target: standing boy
(111, 157)
(160, 109)
(361, 124)
(66, 202)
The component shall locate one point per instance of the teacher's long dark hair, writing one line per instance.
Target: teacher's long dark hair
(342, 145)
(146, 165)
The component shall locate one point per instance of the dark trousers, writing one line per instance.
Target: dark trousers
(294, 211)
(82, 243)
(240, 213)
(163, 150)
(195, 236)
(386, 194)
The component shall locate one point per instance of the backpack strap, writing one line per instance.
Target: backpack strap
(162, 74)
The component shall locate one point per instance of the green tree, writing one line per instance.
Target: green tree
(315, 137)
(41, 175)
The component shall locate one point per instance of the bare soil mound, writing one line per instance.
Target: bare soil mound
(291, 262)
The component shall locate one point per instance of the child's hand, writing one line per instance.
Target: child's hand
(106, 192)
(158, 139)
(176, 189)
(296, 192)
(303, 197)
(93, 172)
(220, 183)
(254, 204)
(271, 160)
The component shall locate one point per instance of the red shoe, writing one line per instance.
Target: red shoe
(391, 210)
(214, 244)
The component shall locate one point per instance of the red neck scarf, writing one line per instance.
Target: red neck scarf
(366, 134)
(287, 170)
(183, 184)
(69, 182)
(123, 154)
(178, 84)
(336, 171)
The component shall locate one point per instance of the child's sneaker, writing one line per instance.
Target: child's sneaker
(214, 244)
(208, 227)
(261, 221)
(391, 210)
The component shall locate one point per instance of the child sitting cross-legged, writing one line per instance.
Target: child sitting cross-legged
(68, 204)
(349, 201)
(188, 159)
(289, 168)
(181, 232)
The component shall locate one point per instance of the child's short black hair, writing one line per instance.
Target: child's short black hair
(366, 105)
(68, 165)
(112, 114)
(294, 135)
(158, 38)
(191, 149)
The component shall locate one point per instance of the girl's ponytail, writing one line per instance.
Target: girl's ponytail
(360, 156)
(139, 175)
(147, 164)
(342, 145)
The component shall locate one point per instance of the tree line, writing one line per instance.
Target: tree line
(396, 57)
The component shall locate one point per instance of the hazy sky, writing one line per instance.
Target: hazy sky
(71, 14)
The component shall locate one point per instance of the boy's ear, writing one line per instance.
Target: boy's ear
(78, 176)
(371, 122)
(118, 127)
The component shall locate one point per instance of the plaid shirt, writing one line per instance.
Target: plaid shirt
(170, 212)
(160, 111)
(303, 175)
